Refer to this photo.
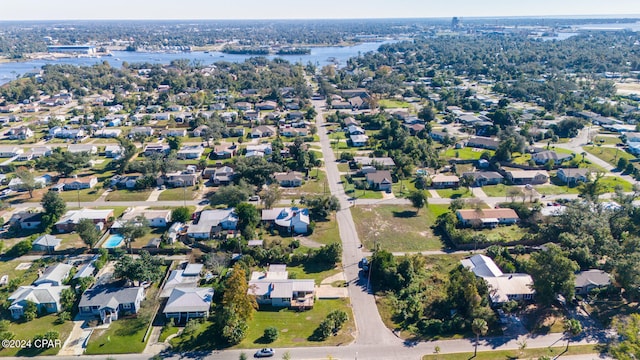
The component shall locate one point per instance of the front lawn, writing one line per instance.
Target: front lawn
(125, 335)
(326, 232)
(177, 194)
(608, 154)
(465, 153)
(128, 195)
(455, 193)
(393, 104)
(312, 270)
(397, 227)
(351, 191)
(38, 326)
(550, 352)
(86, 195)
(499, 190)
(294, 329)
(556, 190)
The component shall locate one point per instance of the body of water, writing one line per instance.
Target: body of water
(319, 56)
(113, 241)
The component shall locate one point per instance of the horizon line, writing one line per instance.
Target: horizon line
(586, 17)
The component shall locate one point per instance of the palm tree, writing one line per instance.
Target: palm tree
(572, 327)
(583, 154)
(479, 327)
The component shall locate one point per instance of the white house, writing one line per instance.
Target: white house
(359, 140)
(190, 152)
(273, 287)
(46, 297)
(10, 151)
(502, 287)
(54, 275)
(212, 221)
(156, 218)
(291, 219)
(46, 243)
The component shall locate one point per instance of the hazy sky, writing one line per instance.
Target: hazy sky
(303, 9)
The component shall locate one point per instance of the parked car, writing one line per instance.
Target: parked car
(266, 352)
(254, 198)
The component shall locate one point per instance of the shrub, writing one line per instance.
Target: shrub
(270, 334)
(19, 249)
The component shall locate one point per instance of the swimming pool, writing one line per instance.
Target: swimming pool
(113, 241)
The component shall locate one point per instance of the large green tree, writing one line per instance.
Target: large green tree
(553, 274)
(88, 232)
(28, 180)
(418, 199)
(628, 345)
(231, 195)
(134, 229)
(248, 219)
(54, 207)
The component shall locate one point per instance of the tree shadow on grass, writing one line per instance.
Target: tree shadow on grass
(405, 214)
(312, 267)
(132, 326)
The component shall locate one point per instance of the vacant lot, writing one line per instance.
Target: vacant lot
(128, 195)
(86, 195)
(551, 353)
(609, 154)
(455, 193)
(177, 194)
(397, 227)
(465, 153)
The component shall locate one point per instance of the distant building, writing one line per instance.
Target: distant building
(72, 49)
(487, 217)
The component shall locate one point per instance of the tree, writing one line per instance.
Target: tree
(320, 206)
(628, 347)
(479, 327)
(329, 254)
(133, 229)
(65, 163)
(88, 232)
(622, 163)
(248, 219)
(28, 180)
(54, 207)
(67, 299)
(592, 189)
(270, 334)
(140, 137)
(174, 142)
(572, 328)
(231, 195)
(236, 297)
(143, 268)
(181, 214)
(271, 195)
(553, 273)
(30, 310)
(418, 199)
(427, 114)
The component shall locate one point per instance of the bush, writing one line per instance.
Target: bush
(19, 249)
(181, 214)
(270, 334)
(63, 317)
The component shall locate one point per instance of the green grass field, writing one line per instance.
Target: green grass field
(38, 326)
(392, 104)
(459, 193)
(499, 190)
(465, 153)
(608, 154)
(352, 192)
(326, 232)
(128, 195)
(397, 228)
(177, 194)
(552, 353)
(86, 195)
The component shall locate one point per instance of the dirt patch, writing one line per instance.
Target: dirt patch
(23, 266)
(284, 330)
(298, 340)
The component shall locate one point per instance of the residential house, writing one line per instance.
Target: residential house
(487, 217)
(262, 131)
(124, 181)
(354, 130)
(293, 219)
(146, 130)
(108, 133)
(379, 180)
(243, 106)
(179, 179)
(174, 132)
(291, 131)
(483, 178)
(256, 150)
(70, 219)
(16, 183)
(156, 149)
(27, 220)
(162, 116)
(108, 303)
(47, 243)
(78, 183)
(188, 303)
(211, 222)
(295, 115)
(591, 279)
(190, 152)
(200, 130)
(21, 133)
(502, 287)
(54, 275)
(252, 115)
(383, 163)
(359, 140)
(223, 176)
(483, 143)
(573, 176)
(46, 297)
(82, 148)
(10, 151)
(531, 177)
(69, 133)
(442, 181)
(273, 287)
(185, 277)
(545, 156)
(439, 135)
(156, 218)
(113, 151)
(267, 105)
(289, 179)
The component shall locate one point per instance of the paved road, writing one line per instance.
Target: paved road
(371, 330)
